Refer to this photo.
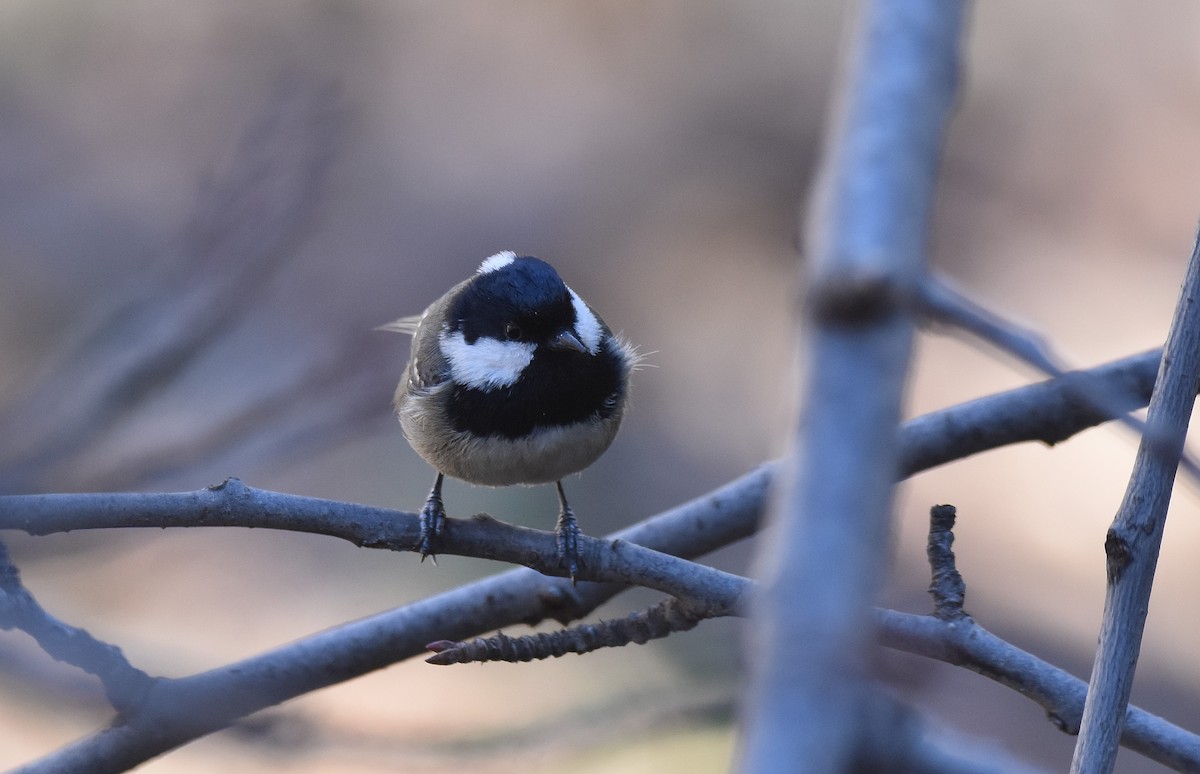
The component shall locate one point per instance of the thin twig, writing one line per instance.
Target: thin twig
(1049, 412)
(946, 585)
(946, 304)
(966, 644)
(1135, 536)
(661, 620)
(895, 738)
(124, 684)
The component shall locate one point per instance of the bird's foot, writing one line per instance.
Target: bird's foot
(433, 523)
(566, 533)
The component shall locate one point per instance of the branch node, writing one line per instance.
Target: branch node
(853, 297)
(1119, 554)
(232, 486)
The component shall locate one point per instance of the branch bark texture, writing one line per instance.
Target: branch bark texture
(823, 564)
(1135, 536)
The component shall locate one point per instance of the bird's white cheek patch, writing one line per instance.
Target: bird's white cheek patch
(587, 325)
(486, 364)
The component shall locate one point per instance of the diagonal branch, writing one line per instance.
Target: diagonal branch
(124, 684)
(942, 302)
(665, 618)
(952, 636)
(966, 644)
(1136, 534)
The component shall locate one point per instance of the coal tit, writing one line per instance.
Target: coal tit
(513, 379)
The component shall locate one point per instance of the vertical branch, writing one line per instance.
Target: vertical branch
(946, 586)
(1134, 538)
(823, 558)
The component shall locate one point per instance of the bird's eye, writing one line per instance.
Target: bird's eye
(513, 332)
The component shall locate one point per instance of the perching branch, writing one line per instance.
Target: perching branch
(1134, 538)
(1047, 412)
(233, 504)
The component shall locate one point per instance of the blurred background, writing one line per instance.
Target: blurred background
(205, 209)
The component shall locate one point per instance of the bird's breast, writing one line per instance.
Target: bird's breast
(544, 455)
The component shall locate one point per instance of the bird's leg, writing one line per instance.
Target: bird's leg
(433, 520)
(566, 532)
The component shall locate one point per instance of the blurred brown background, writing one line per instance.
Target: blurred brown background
(268, 182)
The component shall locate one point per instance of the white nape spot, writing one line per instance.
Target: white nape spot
(497, 261)
(488, 363)
(587, 325)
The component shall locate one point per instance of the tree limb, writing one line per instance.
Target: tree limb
(965, 643)
(1136, 534)
(944, 303)
(823, 565)
(124, 684)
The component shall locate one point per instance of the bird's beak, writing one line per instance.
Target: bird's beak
(567, 341)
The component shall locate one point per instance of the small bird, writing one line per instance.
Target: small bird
(513, 379)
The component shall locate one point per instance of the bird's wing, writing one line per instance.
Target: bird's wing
(427, 366)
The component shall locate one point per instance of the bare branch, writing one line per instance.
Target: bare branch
(894, 737)
(948, 305)
(947, 585)
(233, 504)
(230, 692)
(822, 566)
(123, 683)
(661, 620)
(965, 643)
(952, 636)
(1136, 534)
(1048, 411)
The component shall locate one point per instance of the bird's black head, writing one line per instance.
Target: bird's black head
(524, 351)
(513, 298)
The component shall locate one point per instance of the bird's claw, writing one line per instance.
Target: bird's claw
(433, 523)
(566, 534)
